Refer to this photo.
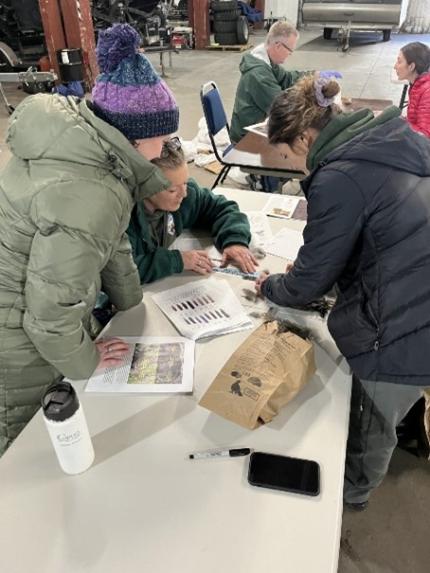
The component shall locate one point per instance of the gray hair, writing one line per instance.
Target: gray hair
(280, 30)
(172, 157)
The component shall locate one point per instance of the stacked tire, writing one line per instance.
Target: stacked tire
(230, 27)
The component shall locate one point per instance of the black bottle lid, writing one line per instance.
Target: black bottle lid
(60, 401)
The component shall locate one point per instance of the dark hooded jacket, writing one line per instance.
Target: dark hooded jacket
(368, 230)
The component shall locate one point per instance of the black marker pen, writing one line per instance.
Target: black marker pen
(227, 453)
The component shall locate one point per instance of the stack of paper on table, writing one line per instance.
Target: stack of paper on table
(286, 244)
(286, 207)
(153, 364)
(203, 308)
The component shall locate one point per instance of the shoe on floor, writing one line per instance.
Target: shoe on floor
(361, 506)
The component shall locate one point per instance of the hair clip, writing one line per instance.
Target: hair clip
(322, 100)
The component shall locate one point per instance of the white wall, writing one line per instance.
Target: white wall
(282, 9)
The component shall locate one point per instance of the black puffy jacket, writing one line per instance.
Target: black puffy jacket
(368, 230)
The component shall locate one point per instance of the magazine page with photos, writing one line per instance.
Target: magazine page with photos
(153, 364)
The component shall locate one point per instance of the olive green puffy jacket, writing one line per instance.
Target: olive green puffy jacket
(65, 202)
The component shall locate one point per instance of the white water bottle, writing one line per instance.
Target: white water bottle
(67, 428)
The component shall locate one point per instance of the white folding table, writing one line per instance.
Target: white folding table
(143, 506)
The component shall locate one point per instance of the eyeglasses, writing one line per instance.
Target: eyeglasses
(173, 144)
(286, 47)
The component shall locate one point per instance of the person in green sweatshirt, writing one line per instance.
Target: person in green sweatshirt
(159, 219)
(263, 77)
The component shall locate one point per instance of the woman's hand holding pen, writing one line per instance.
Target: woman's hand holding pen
(197, 261)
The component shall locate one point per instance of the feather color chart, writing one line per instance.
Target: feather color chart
(203, 308)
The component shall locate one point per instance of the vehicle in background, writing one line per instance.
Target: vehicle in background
(366, 15)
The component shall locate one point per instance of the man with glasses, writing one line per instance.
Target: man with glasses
(263, 77)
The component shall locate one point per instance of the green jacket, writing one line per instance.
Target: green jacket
(260, 82)
(200, 209)
(65, 202)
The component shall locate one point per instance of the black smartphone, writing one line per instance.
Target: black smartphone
(284, 473)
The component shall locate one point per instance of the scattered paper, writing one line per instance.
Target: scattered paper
(286, 244)
(153, 364)
(203, 308)
(261, 232)
(286, 207)
(260, 235)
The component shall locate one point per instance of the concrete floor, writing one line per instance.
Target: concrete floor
(392, 536)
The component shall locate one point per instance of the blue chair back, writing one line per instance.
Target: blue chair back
(213, 108)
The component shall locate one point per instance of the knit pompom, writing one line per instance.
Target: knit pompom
(115, 44)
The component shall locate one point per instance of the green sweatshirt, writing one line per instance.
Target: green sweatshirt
(260, 82)
(201, 209)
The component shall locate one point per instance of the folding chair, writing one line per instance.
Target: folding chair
(403, 103)
(216, 120)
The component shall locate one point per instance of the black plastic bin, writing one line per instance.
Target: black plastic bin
(70, 65)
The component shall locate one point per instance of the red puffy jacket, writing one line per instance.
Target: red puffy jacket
(419, 104)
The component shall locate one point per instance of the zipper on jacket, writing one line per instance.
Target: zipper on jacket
(377, 343)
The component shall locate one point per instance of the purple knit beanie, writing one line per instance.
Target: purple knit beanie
(129, 94)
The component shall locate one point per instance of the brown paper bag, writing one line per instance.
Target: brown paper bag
(264, 374)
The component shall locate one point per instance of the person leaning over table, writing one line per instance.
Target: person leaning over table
(65, 202)
(368, 231)
(413, 64)
(160, 218)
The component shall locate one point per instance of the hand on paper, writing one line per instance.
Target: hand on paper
(289, 267)
(111, 352)
(261, 278)
(240, 256)
(197, 261)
